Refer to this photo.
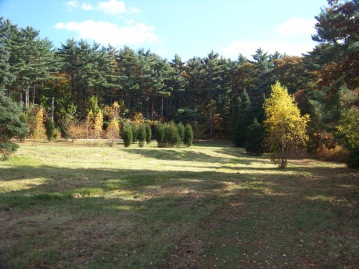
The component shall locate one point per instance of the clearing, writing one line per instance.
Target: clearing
(73, 205)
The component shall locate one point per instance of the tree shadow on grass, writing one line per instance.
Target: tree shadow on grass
(132, 216)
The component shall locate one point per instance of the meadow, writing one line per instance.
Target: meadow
(88, 205)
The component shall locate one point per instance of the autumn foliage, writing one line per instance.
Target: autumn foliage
(285, 127)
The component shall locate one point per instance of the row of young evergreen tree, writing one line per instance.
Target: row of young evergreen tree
(219, 97)
(167, 134)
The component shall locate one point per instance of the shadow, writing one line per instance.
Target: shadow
(125, 218)
(173, 155)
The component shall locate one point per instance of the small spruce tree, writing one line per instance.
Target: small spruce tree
(188, 135)
(148, 133)
(127, 135)
(170, 137)
(242, 119)
(160, 130)
(50, 129)
(22, 135)
(180, 129)
(10, 125)
(255, 138)
(134, 127)
(141, 135)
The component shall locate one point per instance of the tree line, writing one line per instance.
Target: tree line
(219, 97)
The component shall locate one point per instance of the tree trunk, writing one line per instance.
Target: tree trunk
(52, 108)
(283, 163)
(33, 95)
(27, 97)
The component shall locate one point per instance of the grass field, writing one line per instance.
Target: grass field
(65, 205)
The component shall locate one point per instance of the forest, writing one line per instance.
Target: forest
(219, 97)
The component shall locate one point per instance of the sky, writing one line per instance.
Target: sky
(167, 27)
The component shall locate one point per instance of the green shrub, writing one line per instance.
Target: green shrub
(188, 135)
(50, 128)
(160, 130)
(148, 133)
(134, 127)
(180, 129)
(141, 135)
(127, 135)
(22, 135)
(171, 137)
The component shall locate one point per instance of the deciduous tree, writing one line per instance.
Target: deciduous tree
(285, 127)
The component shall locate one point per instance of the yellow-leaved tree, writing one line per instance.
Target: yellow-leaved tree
(285, 127)
(38, 128)
(113, 129)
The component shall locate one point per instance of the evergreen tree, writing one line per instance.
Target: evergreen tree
(160, 131)
(188, 135)
(255, 138)
(141, 135)
(148, 133)
(170, 135)
(180, 129)
(134, 127)
(10, 124)
(242, 119)
(50, 128)
(127, 135)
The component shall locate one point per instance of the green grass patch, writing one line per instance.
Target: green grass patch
(80, 205)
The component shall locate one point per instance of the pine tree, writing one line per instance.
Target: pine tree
(285, 127)
(10, 124)
(255, 138)
(242, 119)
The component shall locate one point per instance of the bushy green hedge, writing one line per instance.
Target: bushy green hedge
(171, 135)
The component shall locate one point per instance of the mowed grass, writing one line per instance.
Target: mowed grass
(72, 205)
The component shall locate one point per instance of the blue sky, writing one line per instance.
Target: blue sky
(168, 27)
